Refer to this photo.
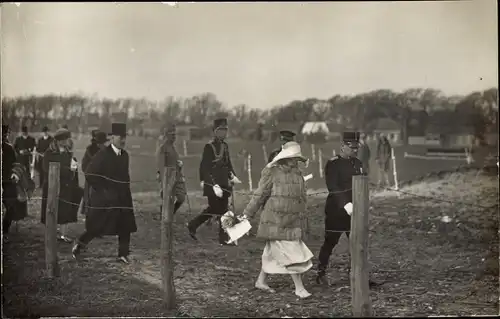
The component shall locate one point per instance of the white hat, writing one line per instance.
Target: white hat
(288, 150)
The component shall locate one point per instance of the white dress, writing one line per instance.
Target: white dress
(286, 257)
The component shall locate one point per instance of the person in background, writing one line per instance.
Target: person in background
(111, 211)
(41, 146)
(383, 159)
(98, 142)
(364, 154)
(70, 193)
(16, 186)
(24, 146)
(285, 137)
(167, 156)
(70, 141)
(217, 176)
(281, 195)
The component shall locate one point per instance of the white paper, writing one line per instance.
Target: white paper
(308, 177)
(348, 208)
(238, 231)
(217, 191)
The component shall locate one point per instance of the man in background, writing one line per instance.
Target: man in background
(24, 146)
(383, 159)
(41, 146)
(285, 137)
(364, 154)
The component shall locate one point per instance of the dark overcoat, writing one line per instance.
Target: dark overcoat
(15, 209)
(41, 147)
(216, 168)
(338, 175)
(70, 192)
(24, 147)
(91, 150)
(111, 209)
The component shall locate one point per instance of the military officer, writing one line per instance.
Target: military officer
(24, 146)
(338, 175)
(167, 155)
(285, 137)
(217, 176)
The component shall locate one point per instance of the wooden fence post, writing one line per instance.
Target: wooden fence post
(249, 169)
(184, 146)
(264, 151)
(167, 238)
(320, 162)
(51, 259)
(360, 289)
(313, 151)
(394, 169)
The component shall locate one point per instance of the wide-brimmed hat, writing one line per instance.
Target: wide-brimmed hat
(62, 134)
(289, 150)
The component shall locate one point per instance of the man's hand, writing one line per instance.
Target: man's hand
(180, 163)
(21, 152)
(348, 208)
(74, 165)
(15, 178)
(242, 217)
(217, 191)
(202, 184)
(235, 179)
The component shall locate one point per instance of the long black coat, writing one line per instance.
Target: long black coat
(338, 175)
(70, 192)
(111, 209)
(216, 168)
(91, 150)
(24, 148)
(41, 147)
(15, 209)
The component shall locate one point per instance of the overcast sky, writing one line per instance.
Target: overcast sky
(261, 54)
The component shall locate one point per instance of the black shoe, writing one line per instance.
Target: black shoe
(321, 279)
(124, 259)
(192, 232)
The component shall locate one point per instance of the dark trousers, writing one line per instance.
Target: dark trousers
(123, 242)
(331, 240)
(216, 206)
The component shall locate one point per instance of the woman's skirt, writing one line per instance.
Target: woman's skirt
(286, 257)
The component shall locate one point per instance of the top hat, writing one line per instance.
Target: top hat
(286, 135)
(94, 132)
(119, 129)
(45, 129)
(100, 137)
(220, 124)
(62, 134)
(289, 150)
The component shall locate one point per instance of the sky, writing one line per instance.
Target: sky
(260, 54)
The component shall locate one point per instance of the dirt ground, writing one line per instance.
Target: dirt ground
(425, 267)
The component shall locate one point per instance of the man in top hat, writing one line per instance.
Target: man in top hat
(364, 153)
(285, 137)
(338, 175)
(41, 146)
(110, 211)
(167, 156)
(217, 176)
(24, 146)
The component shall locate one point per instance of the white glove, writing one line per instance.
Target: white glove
(21, 152)
(180, 163)
(235, 180)
(202, 184)
(74, 165)
(242, 218)
(15, 178)
(348, 208)
(217, 191)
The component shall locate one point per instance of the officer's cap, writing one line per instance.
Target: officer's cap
(287, 135)
(220, 123)
(351, 138)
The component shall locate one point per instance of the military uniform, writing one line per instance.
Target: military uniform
(24, 146)
(167, 156)
(338, 175)
(215, 169)
(285, 136)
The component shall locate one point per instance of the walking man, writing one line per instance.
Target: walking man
(41, 146)
(24, 146)
(338, 176)
(217, 176)
(285, 137)
(111, 210)
(167, 156)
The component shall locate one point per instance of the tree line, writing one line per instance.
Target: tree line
(478, 109)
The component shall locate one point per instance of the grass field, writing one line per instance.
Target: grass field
(423, 269)
(143, 169)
